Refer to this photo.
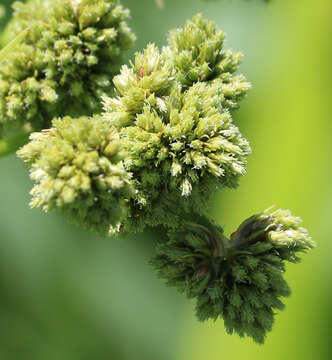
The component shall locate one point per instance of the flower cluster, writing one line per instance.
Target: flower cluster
(179, 139)
(65, 63)
(196, 52)
(240, 280)
(78, 170)
(173, 114)
(163, 144)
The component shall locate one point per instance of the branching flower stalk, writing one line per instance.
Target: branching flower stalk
(163, 143)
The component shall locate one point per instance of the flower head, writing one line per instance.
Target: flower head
(65, 63)
(77, 168)
(196, 52)
(180, 140)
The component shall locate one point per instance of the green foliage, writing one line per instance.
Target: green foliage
(240, 280)
(65, 63)
(77, 169)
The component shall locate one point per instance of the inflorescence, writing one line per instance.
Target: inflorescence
(164, 142)
(65, 63)
(77, 168)
(177, 130)
(179, 141)
(241, 279)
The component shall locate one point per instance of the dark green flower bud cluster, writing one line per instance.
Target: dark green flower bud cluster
(77, 168)
(65, 63)
(179, 136)
(240, 280)
(281, 229)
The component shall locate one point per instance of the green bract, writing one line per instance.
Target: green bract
(77, 169)
(178, 134)
(240, 280)
(65, 63)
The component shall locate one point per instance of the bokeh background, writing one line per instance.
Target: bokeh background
(67, 294)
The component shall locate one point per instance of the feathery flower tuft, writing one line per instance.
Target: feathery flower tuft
(77, 168)
(240, 280)
(179, 136)
(196, 52)
(66, 62)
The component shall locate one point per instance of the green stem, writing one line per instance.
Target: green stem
(12, 144)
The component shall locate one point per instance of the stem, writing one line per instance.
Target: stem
(12, 144)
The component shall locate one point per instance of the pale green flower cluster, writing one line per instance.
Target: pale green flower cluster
(196, 52)
(77, 168)
(241, 280)
(65, 63)
(179, 140)
(173, 116)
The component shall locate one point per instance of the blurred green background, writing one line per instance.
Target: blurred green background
(67, 294)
